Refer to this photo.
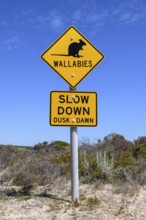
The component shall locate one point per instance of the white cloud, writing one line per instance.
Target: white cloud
(52, 20)
(56, 23)
(130, 18)
(11, 42)
(77, 15)
(125, 16)
(88, 16)
(132, 12)
(42, 19)
(92, 20)
(97, 17)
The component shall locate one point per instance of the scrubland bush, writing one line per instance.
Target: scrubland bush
(57, 145)
(113, 159)
(88, 169)
(29, 166)
(6, 152)
(117, 159)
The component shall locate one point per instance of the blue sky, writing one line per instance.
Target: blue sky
(28, 28)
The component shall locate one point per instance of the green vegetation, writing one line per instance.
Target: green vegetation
(111, 160)
(60, 144)
(92, 203)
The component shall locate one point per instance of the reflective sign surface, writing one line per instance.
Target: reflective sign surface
(72, 56)
(73, 108)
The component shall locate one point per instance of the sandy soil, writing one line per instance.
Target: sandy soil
(106, 202)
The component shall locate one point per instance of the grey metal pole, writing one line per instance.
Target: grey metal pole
(74, 161)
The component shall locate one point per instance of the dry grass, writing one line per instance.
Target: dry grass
(112, 177)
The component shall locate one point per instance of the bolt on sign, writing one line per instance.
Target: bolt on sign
(70, 108)
(72, 56)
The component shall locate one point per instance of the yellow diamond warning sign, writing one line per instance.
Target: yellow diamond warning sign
(73, 108)
(72, 56)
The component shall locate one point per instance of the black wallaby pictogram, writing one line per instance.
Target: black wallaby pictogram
(73, 49)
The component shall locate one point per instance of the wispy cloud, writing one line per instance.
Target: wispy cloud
(92, 20)
(77, 15)
(129, 17)
(53, 20)
(90, 14)
(132, 12)
(11, 42)
(56, 23)
(16, 28)
(90, 17)
(97, 17)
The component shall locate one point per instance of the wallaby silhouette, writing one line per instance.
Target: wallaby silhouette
(73, 49)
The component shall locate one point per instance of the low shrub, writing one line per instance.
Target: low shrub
(107, 161)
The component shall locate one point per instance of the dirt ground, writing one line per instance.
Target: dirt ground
(105, 202)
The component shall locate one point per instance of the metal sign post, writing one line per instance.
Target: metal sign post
(73, 57)
(74, 161)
